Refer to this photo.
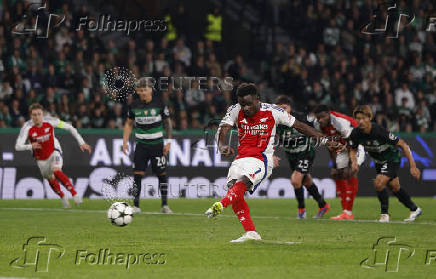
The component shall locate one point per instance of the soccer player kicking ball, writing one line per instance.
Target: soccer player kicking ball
(382, 146)
(300, 153)
(257, 123)
(148, 113)
(335, 124)
(47, 150)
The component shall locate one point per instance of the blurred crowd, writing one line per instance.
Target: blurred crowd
(328, 61)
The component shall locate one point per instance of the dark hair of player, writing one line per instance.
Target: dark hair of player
(364, 109)
(247, 89)
(35, 106)
(321, 108)
(283, 100)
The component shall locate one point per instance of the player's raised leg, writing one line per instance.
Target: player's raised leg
(405, 199)
(312, 189)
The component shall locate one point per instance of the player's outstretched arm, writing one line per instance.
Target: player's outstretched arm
(312, 132)
(414, 171)
(168, 125)
(128, 125)
(73, 131)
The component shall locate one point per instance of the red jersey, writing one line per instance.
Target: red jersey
(256, 134)
(340, 125)
(43, 135)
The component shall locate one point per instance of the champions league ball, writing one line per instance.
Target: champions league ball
(120, 214)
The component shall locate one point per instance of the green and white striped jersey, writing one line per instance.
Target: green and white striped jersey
(148, 119)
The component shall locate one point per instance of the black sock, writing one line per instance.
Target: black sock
(404, 198)
(383, 197)
(136, 189)
(299, 195)
(163, 187)
(313, 191)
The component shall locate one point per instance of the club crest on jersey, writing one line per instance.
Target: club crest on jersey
(146, 112)
(46, 130)
(264, 119)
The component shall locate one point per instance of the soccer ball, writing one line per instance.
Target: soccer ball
(120, 214)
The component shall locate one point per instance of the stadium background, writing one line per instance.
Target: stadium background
(319, 57)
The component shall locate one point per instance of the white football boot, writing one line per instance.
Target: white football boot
(136, 210)
(77, 199)
(65, 202)
(165, 209)
(384, 218)
(250, 235)
(413, 215)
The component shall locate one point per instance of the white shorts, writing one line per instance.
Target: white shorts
(343, 158)
(46, 166)
(252, 168)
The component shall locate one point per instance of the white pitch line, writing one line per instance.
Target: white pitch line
(202, 215)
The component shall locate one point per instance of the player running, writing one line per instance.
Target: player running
(300, 153)
(257, 123)
(335, 124)
(39, 131)
(382, 146)
(148, 113)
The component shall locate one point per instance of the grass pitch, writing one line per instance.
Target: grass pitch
(188, 245)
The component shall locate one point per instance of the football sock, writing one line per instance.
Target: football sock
(299, 195)
(234, 194)
(242, 210)
(355, 185)
(348, 196)
(163, 187)
(54, 184)
(136, 189)
(313, 191)
(65, 181)
(340, 190)
(383, 197)
(404, 198)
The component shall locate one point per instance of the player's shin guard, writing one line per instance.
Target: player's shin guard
(383, 197)
(340, 190)
(163, 187)
(299, 195)
(136, 189)
(313, 191)
(65, 181)
(404, 198)
(54, 184)
(234, 194)
(242, 210)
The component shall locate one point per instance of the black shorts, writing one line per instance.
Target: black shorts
(301, 163)
(389, 169)
(144, 153)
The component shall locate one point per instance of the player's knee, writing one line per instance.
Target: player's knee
(296, 182)
(379, 185)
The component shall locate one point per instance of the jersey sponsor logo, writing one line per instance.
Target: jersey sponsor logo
(392, 136)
